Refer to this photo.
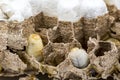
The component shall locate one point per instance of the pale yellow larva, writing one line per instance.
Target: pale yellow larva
(35, 45)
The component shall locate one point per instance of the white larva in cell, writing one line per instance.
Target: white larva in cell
(79, 57)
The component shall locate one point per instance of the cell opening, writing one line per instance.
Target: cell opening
(110, 78)
(93, 73)
(103, 47)
(58, 40)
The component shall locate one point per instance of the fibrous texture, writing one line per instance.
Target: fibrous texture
(43, 44)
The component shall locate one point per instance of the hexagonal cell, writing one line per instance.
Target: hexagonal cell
(103, 56)
(103, 47)
(99, 26)
(55, 53)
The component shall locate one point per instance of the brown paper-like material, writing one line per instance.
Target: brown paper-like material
(99, 26)
(59, 38)
(49, 22)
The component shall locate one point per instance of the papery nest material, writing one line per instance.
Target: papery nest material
(103, 57)
(52, 52)
(59, 38)
(99, 26)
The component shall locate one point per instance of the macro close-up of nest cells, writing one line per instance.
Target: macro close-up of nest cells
(60, 40)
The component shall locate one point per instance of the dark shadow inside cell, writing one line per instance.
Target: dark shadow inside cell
(93, 72)
(113, 32)
(72, 76)
(110, 78)
(43, 77)
(103, 47)
(39, 76)
(58, 40)
(11, 78)
(84, 44)
(101, 79)
(119, 60)
(11, 50)
(15, 50)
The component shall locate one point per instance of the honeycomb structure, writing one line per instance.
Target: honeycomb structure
(59, 38)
